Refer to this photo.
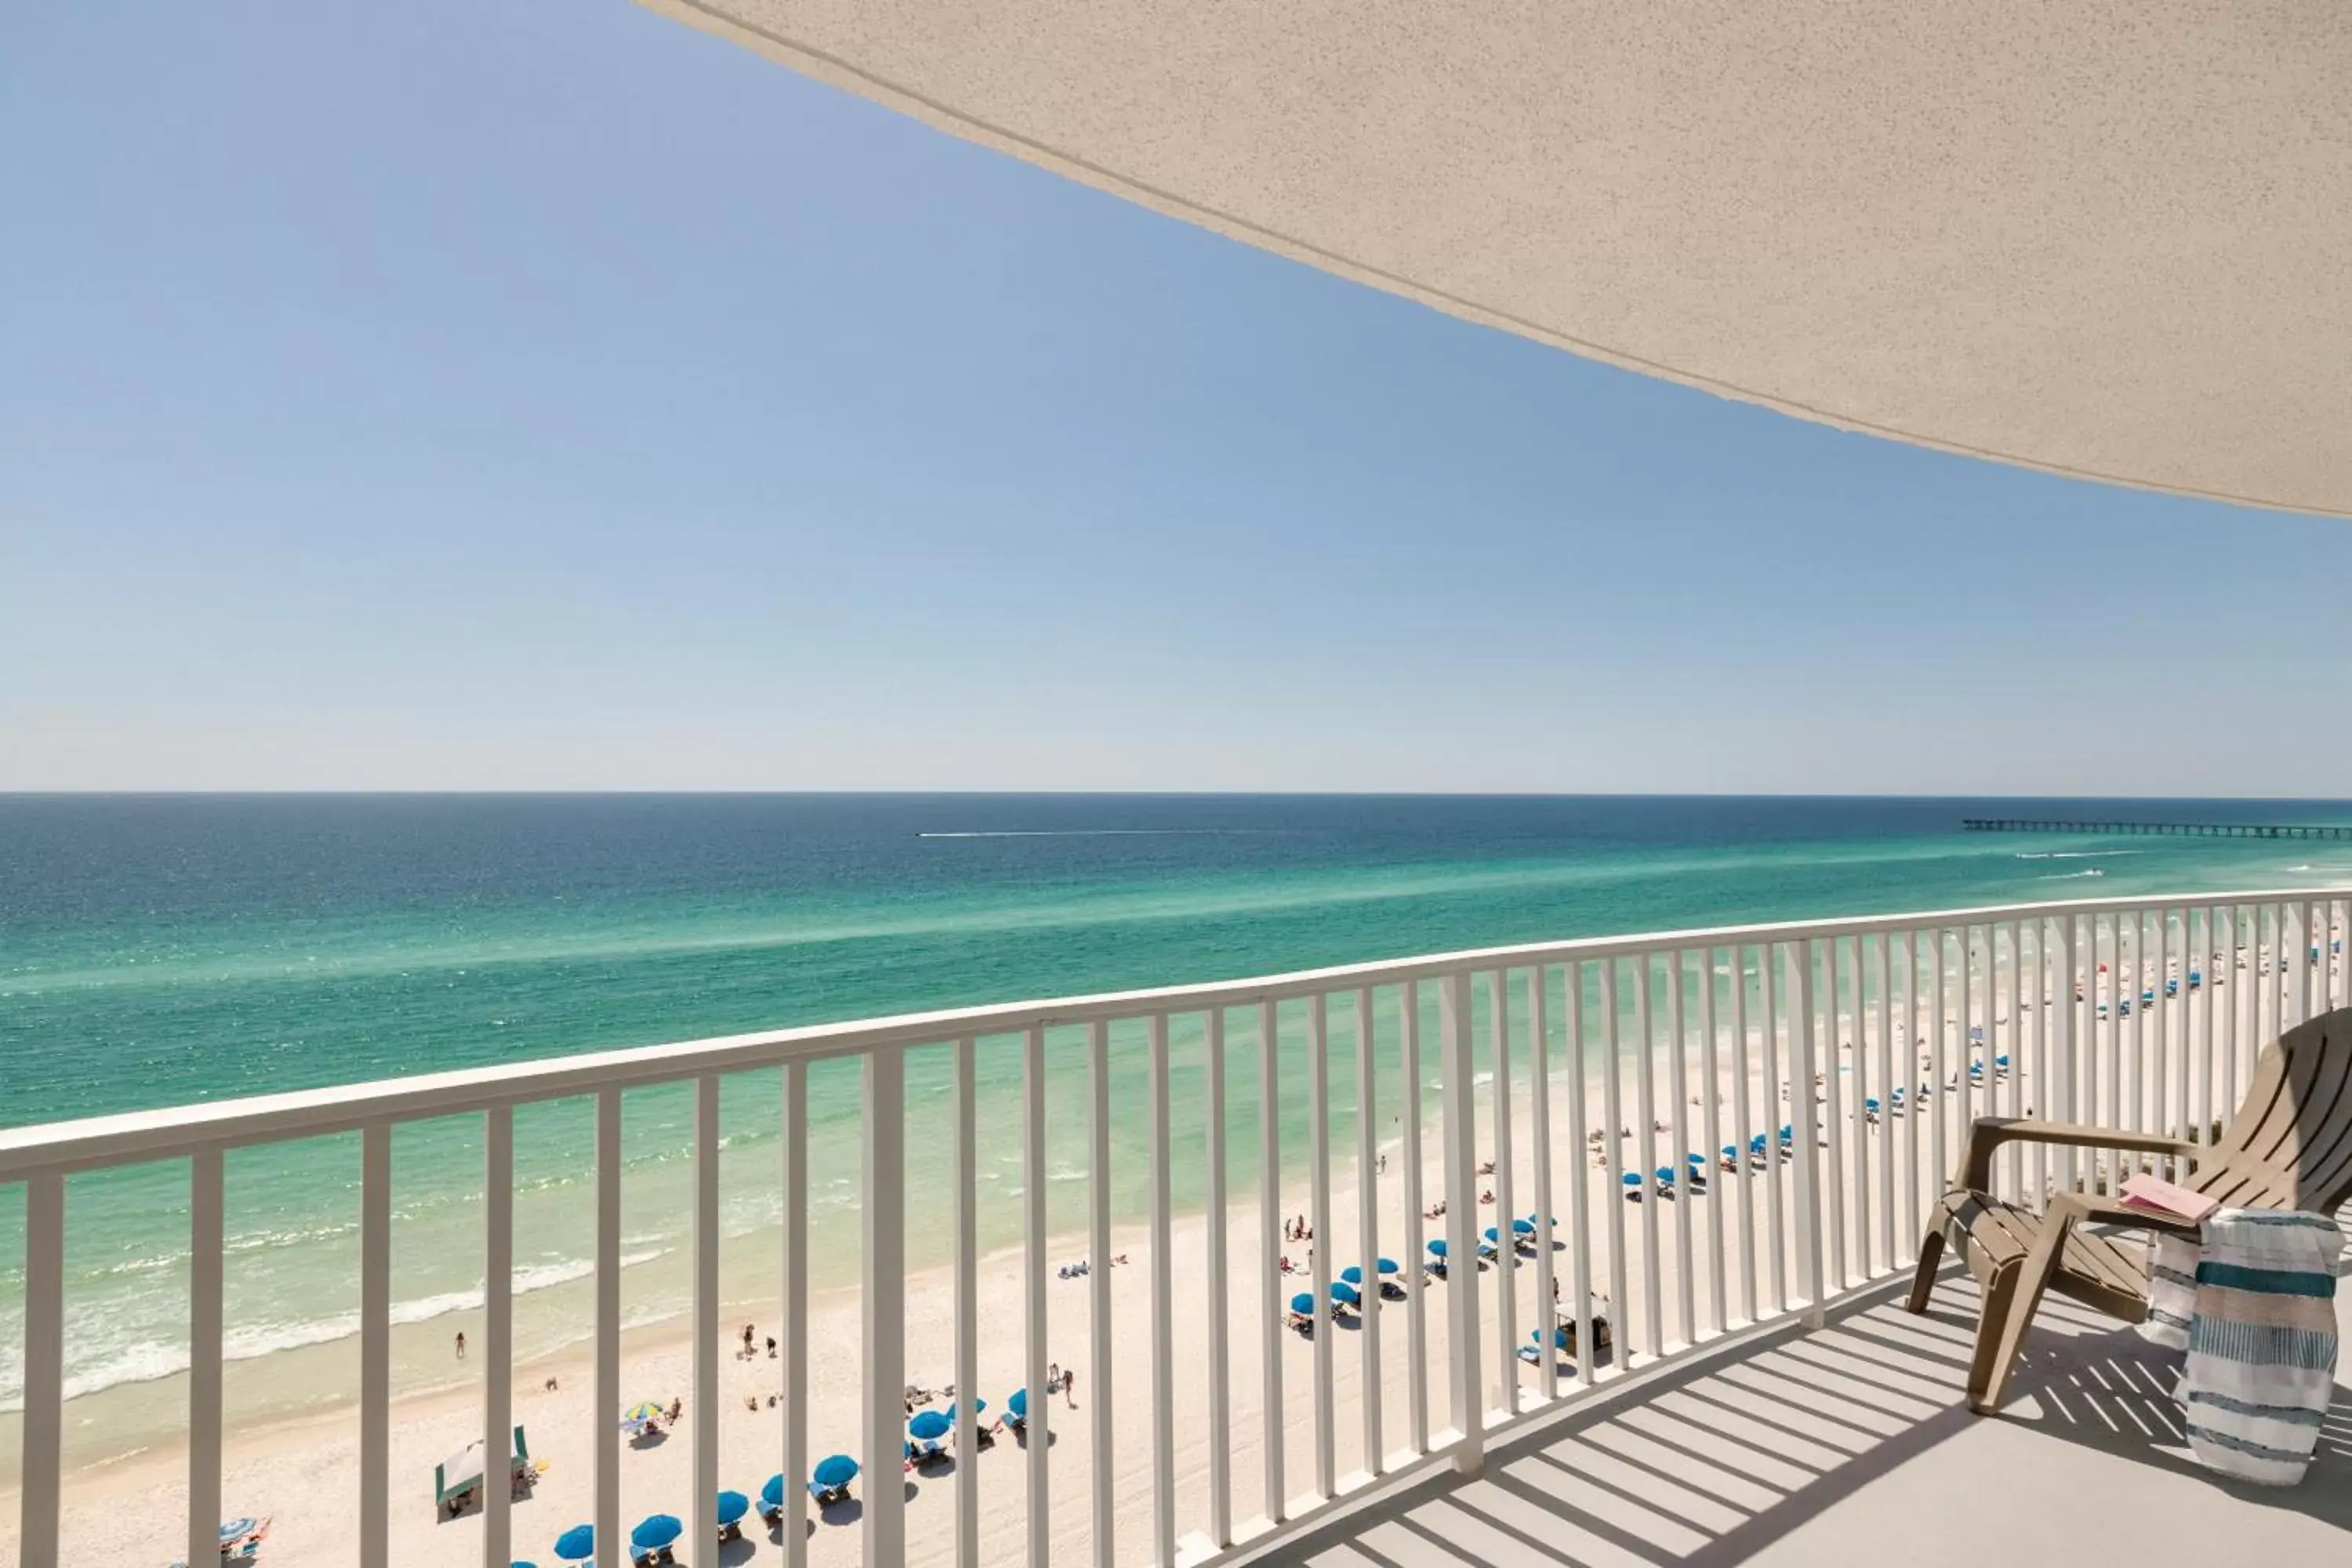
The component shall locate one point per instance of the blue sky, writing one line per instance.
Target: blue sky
(490, 393)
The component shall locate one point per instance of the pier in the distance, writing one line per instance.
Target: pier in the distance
(2165, 829)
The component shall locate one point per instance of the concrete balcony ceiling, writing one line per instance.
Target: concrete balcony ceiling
(2111, 239)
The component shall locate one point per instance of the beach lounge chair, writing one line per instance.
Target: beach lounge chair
(2289, 1147)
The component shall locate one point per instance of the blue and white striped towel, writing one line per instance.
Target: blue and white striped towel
(2252, 1304)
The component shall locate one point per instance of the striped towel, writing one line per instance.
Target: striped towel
(2261, 1340)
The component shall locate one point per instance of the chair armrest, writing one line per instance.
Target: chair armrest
(2108, 1211)
(1990, 1133)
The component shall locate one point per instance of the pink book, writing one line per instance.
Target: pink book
(2146, 1192)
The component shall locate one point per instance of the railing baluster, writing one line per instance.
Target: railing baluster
(1832, 1117)
(1579, 1196)
(1766, 956)
(2117, 1091)
(1711, 1139)
(1914, 1104)
(2208, 978)
(1269, 1211)
(883, 1211)
(2066, 1018)
(1368, 1236)
(1507, 1251)
(795, 1433)
(1612, 1105)
(604, 1432)
(1220, 1414)
(1886, 1143)
(2301, 960)
(1678, 1084)
(1857, 1177)
(967, 1297)
(2015, 1074)
(375, 1347)
(1416, 1246)
(1033, 1243)
(1547, 1313)
(1939, 1087)
(1098, 1264)
(1319, 1157)
(205, 1224)
(1801, 1072)
(43, 1429)
(1163, 1297)
(2035, 1070)
(1460, 1124)
(1743, 1130)
(2239, 990)
(1646, 1107)
(498, 1338)
(2245, 1002)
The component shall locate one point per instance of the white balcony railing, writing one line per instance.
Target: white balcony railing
(1896, 1029)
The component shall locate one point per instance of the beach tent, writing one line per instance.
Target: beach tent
(576, 1544)
(461, 1472)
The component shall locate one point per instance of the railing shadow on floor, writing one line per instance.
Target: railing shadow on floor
(1708, 1463)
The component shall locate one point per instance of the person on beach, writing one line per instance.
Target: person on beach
(461, 1344)
(1053, 1377)
(1070, 1387)
(771, 1347)
(747, 1341)
(677, 1409)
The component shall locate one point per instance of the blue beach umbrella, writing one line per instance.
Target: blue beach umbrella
(1731, 1151)
(519, 1563)
(733, 1505)
(1697, 1161)
(1788, 1132)
(1632, 1178)
(929, 1427)
(835, 1470)
(1493, 1234)
(1302, 1304)
(1353, 1274)
(979, 1408)
(654, 1533)
(1870, 1104)
(1437, 1247)
(578, 1543)
(1018, 1405)
(1560, 1337)
(772, 1495)
(1388, 1265)
(1755, 1144)
(1345, 1293)
(235, 1529)
(1667, 1174)
(1523, 1227)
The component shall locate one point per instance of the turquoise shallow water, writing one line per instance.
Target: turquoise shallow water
(160, 949)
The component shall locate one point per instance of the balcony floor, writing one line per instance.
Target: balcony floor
(1851, 1445)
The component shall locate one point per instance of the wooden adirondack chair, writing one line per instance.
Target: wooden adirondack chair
(2289, 1147)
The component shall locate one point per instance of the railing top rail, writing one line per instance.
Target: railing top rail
(133, 1137)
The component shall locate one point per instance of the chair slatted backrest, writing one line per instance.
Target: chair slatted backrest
(2290, 1145)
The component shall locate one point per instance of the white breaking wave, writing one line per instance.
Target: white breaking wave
(1096, 833)
(148, 1361)
(2075, 854)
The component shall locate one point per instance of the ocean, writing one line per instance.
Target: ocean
(158, 950)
